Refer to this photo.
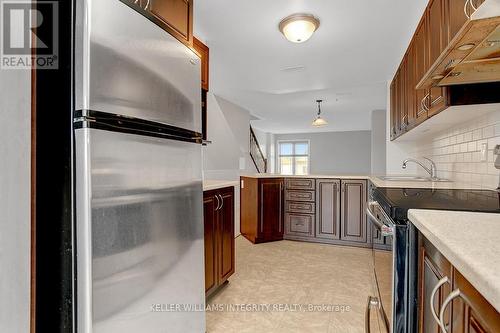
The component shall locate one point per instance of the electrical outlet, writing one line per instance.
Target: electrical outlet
(484, 152)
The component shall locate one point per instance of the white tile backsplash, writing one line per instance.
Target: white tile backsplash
(457, 151)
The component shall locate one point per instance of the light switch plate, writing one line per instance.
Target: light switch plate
(484, 152)
(243, 163)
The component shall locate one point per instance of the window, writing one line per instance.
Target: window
(293, 157)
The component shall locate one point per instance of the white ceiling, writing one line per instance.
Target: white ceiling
(347, 62)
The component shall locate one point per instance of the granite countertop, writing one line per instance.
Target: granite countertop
(377, 182)
(212, 184)
(470, 241)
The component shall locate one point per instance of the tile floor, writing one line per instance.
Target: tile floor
(290, 273)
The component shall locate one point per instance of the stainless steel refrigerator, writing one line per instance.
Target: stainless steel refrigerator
(138, 179)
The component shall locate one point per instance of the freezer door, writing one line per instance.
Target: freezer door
(127, 65)
(139, 234)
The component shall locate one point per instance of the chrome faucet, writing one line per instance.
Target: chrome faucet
(432, 171)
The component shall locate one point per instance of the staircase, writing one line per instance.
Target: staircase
(256, 154)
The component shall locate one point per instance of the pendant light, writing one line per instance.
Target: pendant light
(318, 122)
(298, 28)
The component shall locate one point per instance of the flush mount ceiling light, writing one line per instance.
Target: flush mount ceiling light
(318, 122)
(298, 28)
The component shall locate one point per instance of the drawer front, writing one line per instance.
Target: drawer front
(299, 224)
(300, 184)
(301, 207)
(300, 195)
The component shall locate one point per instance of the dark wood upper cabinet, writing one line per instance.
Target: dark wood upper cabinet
(456, 17)
(441, 22)
(203, 52)
(174, 16)
(218, 210)
(353, 211)
(328, 209)
(177, 15)
(421, 63)
(437, 39)
(262, 209)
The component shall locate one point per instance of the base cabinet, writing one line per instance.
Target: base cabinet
(328, 209)
(353, 211)
(467, 310)
(339, 216)
(218, 210)
(262, 209)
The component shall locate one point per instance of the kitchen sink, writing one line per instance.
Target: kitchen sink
(411, 179)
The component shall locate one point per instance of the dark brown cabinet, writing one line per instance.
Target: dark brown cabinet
(471, 312)
(328, 209)
(262, 209)
(204, 53)
(420, 63)
(353, 211)
(425, 63)
(437, 39)
(218, 210)
(177, 17)
(174, 16)
(467, 312)
(434, 270)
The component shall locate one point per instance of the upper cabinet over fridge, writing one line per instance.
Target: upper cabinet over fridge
(175, 16)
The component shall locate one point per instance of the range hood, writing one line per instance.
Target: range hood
(473, 56)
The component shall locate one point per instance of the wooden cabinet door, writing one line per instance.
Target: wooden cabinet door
(433, 268)
(271, 209)
(225, 233)
(328, 208)
(410, 86)
(393, 109)
(203, 52)
(437, 40)
(210, 223)
(471, 312)
(456, 18)
(397, 102)
(353, 211)
(176, 15)
(421, 65)
(404, 96)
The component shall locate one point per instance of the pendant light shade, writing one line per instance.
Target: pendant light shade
(318, 122)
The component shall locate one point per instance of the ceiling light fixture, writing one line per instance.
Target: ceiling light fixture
(298, 28)
(318, 122)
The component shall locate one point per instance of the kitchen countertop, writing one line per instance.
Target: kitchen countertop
(470, 241)
(212, 184)
(378, 182)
